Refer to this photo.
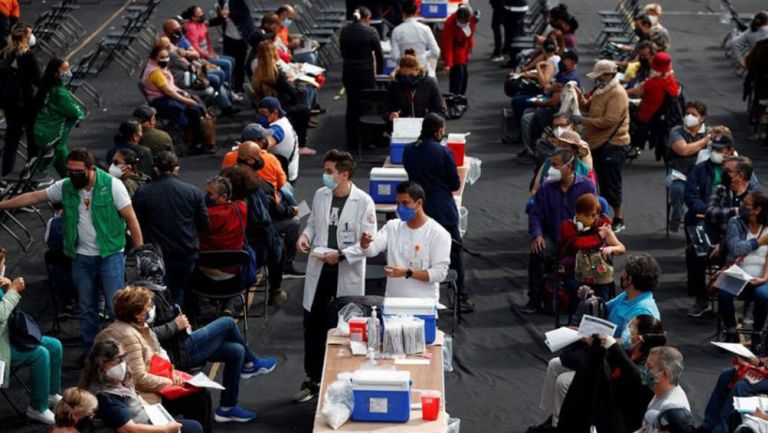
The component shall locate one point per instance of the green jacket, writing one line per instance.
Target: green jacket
(109, 225)
(57, 117)
(8, 301)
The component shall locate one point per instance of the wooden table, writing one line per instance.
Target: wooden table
(338, 359)
(389, 209)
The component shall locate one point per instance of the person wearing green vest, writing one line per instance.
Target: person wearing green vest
(96, 211)
(57, 112)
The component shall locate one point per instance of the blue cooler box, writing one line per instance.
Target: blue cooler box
(381, 396)
(423, 308)
(383, 183)
(434, 8)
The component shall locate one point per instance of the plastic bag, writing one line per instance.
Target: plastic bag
(346, 313)
(463, 221)
(474, 170)
(454, 425)
(339, 401)
(448, 354)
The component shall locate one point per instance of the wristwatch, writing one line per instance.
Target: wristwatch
(408, 273)
(341, 256)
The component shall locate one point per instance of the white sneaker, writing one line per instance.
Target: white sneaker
(41, 417)
(498, 59)
(53, 399)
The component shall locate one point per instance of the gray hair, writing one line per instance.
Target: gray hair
(222, 184)
(670, 360)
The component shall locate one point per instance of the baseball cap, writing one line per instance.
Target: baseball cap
(144, 112)
(602, 67)
(271, 103)
(722, 141)
(254, 131)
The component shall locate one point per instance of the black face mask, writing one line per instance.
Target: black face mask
(257, 164)
(163, 63)
(562, 66)
(176, 36)
(79, 179)
(726, 180)
(645, 63)
(639, 33)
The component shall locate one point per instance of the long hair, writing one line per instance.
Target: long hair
(17, 40)
(264, 78)
(92, 377)
(50, 80)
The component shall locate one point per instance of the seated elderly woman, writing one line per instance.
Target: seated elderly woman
(121, 408)
(639, 279)
(44, 360)
(74, 411)
(217, 341)
(746, 244)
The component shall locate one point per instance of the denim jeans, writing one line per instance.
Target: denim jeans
(45, 377)
(720, 405)
(220, 341)
(308, 57)
(227, 64)
(87, 271)
(676, 199)
(177, 274)
(458, 79)
(218, 75)
(760, 296)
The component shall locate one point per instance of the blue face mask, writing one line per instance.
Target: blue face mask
(329, 182)
(408, 79)
(405, 213)
(262, 120)
(287, 22)
(647, 377)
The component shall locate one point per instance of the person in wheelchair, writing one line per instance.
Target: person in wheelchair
(582, 238)
(746, 244)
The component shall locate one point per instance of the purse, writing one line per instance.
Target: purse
(160, 366)
(593, 268)
(24, 332)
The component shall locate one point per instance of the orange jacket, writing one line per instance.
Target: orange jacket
(10, 8)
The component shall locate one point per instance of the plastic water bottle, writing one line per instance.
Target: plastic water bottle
(374, 331)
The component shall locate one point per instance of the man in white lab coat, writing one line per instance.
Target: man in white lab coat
(341, 213)
(413, 34)
(418, 248)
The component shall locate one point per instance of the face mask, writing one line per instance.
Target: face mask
(654, 19)
(744, 212)
(287, 22)
(164, 62)
(209, 201)
(557, 132)
(554, 175)
(645, 63)
(690, 121)
(115, 171)
(585, 222)
(117, 372)
(462, 25)
(79, 179)
(647, 377)
(66, 76)
(32, 40)
(329, 182)
(262, 120)
(716, 157)
(726, 180)
(600, 83)
(175, 36)
(561, 66)
(151, 314)
(409, 79)
(200, 19)
(639, 33)
(405, 213)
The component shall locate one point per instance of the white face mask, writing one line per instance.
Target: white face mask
(654, 19)
(117, 372)
(116, 171)
(557, 132)
(690, 121)
(151, 315)
(716, 157)
(32, 40)
(554, 175)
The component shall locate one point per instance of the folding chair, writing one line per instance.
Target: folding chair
(449, 283)
(166, 124)
(370, 121)
(14, 374)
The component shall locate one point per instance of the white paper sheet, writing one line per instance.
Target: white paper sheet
(358, 348)
(733, 280)
(201, 380)
(591, 325)
(304, 209)
(735, 348)
(158, 415)
(2, 372)
(750, 404)
(561, 337)
(310, 69)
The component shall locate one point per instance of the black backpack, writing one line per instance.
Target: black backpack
(25, 334)
(10, 80)
(672, 111)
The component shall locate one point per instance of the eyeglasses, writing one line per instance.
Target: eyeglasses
(119, 358)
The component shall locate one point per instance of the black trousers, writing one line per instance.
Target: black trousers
(18, 122)
(458, 80)
(355, 80)
(514, 26)
(238, 49)
(609, 162)
(457, 258)
(497, 22)
(317, 323)
(537, 270)
(696, 272)
(197, 406)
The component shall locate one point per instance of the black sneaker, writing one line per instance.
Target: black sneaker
(466, 306)
(530, 308)
(308, 391)
(699, 309)
(618, 225)
(290, 272)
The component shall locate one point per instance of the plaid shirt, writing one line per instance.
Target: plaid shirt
(723, 205)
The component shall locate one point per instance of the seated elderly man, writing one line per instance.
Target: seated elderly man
(662, 372)
(554, 202)
(286, 16)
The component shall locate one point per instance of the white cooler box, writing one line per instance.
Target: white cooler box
(405, 130)
(423, 308)
(383, 185)
(381, 396)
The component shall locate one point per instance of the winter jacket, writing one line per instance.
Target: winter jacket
(607, 117)
(413, 100)
(8, 302)
(57, 117)
(455, 45)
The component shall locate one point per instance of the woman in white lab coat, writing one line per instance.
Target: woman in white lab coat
(341, 213)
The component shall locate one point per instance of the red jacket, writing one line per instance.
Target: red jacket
(225, 232)
(655, 89)
(572, 241)
(455, 45)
